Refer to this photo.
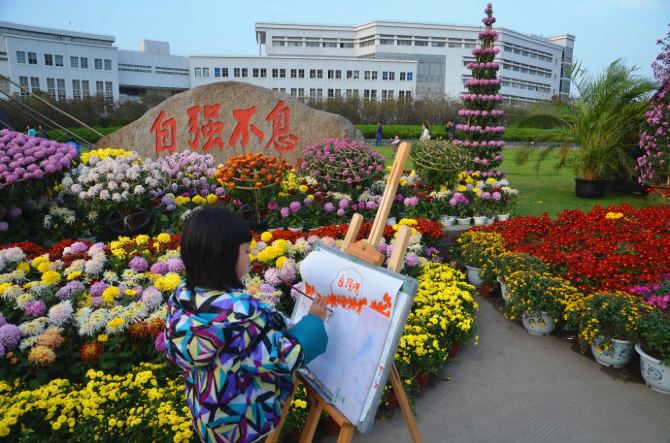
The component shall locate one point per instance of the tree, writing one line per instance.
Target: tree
(654, 163)
(481, 129)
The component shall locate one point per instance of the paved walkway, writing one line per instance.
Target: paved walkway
(515, 387)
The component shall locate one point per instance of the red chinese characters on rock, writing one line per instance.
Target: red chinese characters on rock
(208, 133)
(165, 130)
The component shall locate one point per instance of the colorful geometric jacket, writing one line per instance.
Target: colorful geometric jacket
(237, 358)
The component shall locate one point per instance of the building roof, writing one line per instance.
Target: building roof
(55, 32)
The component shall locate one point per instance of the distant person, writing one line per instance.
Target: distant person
(425, 133)
(395, 143)
(451, 130)
(42, 131)
(31, 131)
(380, 130)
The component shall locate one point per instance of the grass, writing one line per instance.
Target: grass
(550, 191)
(409, 132)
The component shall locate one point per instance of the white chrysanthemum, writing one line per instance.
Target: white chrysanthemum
(110, 277)
(10, 256)
(28, 343)
(12, 292)
(24, 298)
(95, 322)
(82, 315)
(34, 327)
(60, 313)
(160, 312)
(15, 275)
(47, 222)
(75, 266)
(134, 312)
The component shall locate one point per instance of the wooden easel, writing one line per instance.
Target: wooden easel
(365, 250)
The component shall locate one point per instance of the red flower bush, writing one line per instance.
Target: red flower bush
(31, 249)
(605, 249)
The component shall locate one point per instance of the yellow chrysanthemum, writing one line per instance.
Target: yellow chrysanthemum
(163, 238)
(212, 198)
(280, 262)
(110, 294)
(266, 236)
(199, 200)
(50, 277)
(181, 200)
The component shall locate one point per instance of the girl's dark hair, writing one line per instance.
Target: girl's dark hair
(210, 244)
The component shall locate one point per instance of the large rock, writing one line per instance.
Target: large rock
(229, 118)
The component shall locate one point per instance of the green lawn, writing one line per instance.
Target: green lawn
(551, 191)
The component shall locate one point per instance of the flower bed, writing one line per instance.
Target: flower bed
(605, 249)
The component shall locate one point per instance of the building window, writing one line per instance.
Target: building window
(373, 94)
(59, 60)
(374, 75)
(108, 65)
(20, 57)
(282, 73)
(74, 62)
(367, 75)
(408, 95)
(348, 93)
(329, 43)
(331, 74)
(294, 92)
(350, 74)
(410, 75)
(383, 95)
(99, 88)
(312, 74)
(401, 94)
(197, 72)
(217, 72)
(366, 94)
(319, 73)
(312, 92)
(319, 93)
(264, 73)
(301, 93)
(391, 75)
(85, 90)
(84, 62)
(338, 74)
(23, 82)
(282, 90)
(224, 72)
(60, 83)
(357, 93)
(51, 88)
(97, 64)
(338, 93)
(205, 72)
(275, 73)
(34, 84)
(48, 60)
(109, 92)
(294, 73)
(385, 75)
(32, 58)
(402, 76)
(386, 40)
(301, 73)
(76, 89)
(245, 72)
(236, 72)
(255, 72)
(404, 40)
(331, 93)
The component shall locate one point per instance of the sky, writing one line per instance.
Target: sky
(605, 29)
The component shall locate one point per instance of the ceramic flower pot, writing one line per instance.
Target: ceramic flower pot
(490, 220)
(463, 221)
(296, 229)
(538, 323)
(503, 291)
(447, 220)
(502, 217)
(391, 221)
(422, 379)
(617, 355)
(656, 375)
(473, 275)
(590, 188)
(479, 220)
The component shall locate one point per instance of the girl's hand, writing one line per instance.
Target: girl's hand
(318, 308)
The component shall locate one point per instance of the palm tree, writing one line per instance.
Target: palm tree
(604, 123)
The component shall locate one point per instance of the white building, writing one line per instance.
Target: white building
(531, 66)
(64, 64)
(376, 60)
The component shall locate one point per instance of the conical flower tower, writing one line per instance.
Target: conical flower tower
(480, 129)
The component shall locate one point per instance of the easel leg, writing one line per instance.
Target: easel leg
(273, 437)
(346, 434)
(307, 434)
(404, 405)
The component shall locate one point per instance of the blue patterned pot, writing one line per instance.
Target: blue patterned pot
(616, 355)
(655, 373)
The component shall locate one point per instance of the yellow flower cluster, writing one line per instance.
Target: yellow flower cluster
(104, 153)
(533, 292)
(443, 313)
(129, 407)
(274, 251)
(478, 249)
(168, 282)
(613, 215)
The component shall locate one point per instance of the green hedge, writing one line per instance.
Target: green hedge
(85, 133)
(511, 134)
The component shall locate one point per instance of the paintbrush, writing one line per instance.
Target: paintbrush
(300, 292)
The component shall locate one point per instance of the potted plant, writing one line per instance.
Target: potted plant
(539, 298)
(460, 205)
(506, 263)
(608, 322)
(654, 349)
(477, 250)
(654, 163)
(604, 124)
